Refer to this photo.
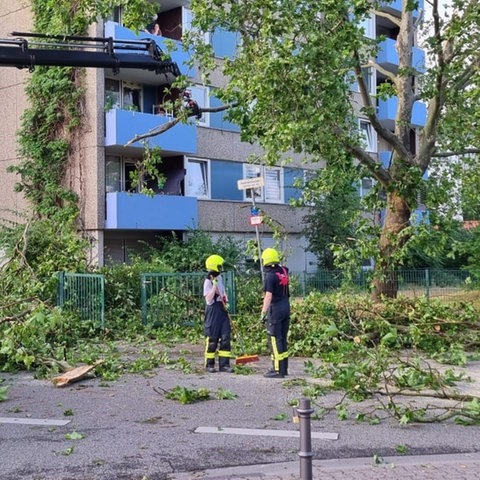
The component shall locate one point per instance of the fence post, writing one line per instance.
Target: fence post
(143, 295)
(427, 283)
(304, 412)
(61, 289)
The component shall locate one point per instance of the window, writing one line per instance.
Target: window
(117, 174)
(369, 77)
(272, 191)
(197, 178)
(132, 96)
(366, 185)
(252, 171)
(112, 94)
(115, 15)
(113, 175)
(200, 95)
(368, 136)
(273, 185)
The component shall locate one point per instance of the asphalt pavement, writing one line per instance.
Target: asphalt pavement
(129, 430)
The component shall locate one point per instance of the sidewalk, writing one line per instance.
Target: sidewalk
(426, 467)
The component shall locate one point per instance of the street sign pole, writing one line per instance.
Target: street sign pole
(257, 233)
(251, 184)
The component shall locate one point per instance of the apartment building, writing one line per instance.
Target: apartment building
(378, 26)
(202, 161)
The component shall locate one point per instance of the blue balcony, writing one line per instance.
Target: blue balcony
(180, 57)
(136, 211)
(395, 6)
(388, 58)
(122, 125)
(385, 158)
(387, 110)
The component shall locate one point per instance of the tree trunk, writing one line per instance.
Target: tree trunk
(392, 238)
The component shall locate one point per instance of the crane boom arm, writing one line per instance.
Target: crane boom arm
(78, 51)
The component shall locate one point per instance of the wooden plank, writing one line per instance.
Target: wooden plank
(74, 375)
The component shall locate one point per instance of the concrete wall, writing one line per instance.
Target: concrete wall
(14, 16)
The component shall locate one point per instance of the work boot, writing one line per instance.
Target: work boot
(227, 369)
(273, 374)
(210, 369)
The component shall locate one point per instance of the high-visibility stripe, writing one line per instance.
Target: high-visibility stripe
(276, 355)
(208, 355)
(224, 353)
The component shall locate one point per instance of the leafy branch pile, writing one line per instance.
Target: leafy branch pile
(380, 351)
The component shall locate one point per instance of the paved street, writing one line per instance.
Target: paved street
(430, 467)
(129, 430)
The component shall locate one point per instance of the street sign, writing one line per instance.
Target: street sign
(247, 183)
(256, 220)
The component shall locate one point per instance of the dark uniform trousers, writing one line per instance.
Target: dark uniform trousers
(278, 324)
(217, 333)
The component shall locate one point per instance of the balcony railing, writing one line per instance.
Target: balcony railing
(387, 110)
(395, 6)
(388, 56)
(180, 57)
(122, 126)
(136, 211)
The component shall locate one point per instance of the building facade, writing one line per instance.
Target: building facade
(202, 161)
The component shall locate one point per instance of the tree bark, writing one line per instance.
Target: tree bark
(392, 238)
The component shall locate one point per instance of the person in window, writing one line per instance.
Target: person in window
(276, 311)
(155, 30)
(217, 323)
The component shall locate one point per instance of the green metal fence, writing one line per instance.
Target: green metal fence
(178, 297)
(83, 293)
(444, 284)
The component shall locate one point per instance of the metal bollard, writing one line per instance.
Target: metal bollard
(304, 412)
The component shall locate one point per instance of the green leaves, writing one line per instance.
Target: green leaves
(186, 395)
(74, 436)
(4, 393)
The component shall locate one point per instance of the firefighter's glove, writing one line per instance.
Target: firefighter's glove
(263, 318)
(215, 282)
(227, 306)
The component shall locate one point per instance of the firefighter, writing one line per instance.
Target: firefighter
(217, 323)
(276, 311)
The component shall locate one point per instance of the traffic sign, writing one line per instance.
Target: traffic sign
(256, 220)
(247, 183)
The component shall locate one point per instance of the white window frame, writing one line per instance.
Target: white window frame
(190, 186)
(201, 95)
(262, 194)
(368, 134)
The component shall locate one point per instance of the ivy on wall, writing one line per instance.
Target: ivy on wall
(55, 95)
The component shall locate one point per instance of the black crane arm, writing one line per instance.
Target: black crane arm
(79, 51)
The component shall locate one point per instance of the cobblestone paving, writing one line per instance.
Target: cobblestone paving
(434, 467)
